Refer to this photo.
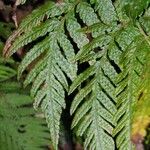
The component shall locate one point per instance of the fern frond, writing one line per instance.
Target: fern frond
(105, 36)
(36, 32)
(49, 9)
(141, 118)
(55, 53)
(132, 61)
(54, 80)
(95, 101)
(94, 104)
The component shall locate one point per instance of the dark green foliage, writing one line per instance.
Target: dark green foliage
(135, 8)
(7, 69)
(21, 128)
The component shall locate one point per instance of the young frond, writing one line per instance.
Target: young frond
(141, 118)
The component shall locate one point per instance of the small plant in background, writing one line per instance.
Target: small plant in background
(88, 64)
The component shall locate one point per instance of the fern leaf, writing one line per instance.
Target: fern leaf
(135, 8)
(87, 14)
(107, 13)
(53, 100)
(92, 102)
(48, 90)
(121, 13)
(73, 28)
(141, 118)
(145, 21)
(32, 35)
(49, 74)
(132, 61)
(49, 9)
(99, 41)
(106, 36)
